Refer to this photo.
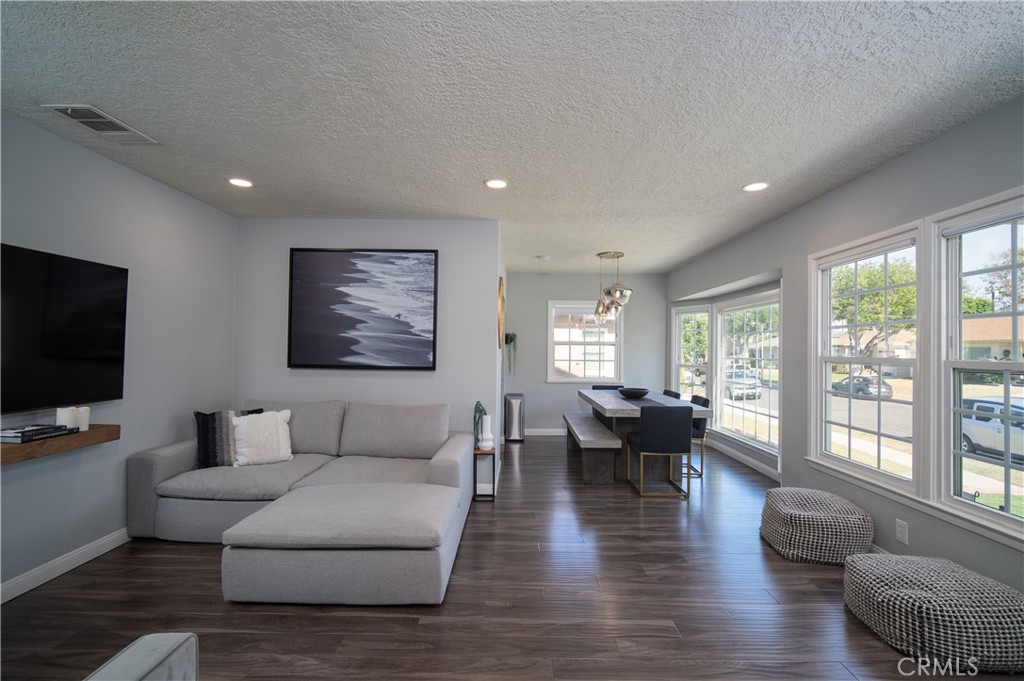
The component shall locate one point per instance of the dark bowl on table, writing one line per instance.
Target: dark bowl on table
(633, 393)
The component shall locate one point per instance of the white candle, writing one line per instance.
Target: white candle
(82, 417)
(66, 416)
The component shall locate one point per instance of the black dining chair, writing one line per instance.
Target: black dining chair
(664, 432)
(670, 393)
(607, 387)
(700, 430)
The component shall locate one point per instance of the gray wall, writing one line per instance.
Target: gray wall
(62, 198)
(467, 350)
(183, 352)
(976, 160)
(644, 337)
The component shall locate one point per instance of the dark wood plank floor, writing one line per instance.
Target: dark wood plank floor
(553, 581)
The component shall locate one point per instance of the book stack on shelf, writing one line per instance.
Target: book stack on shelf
(23, 434)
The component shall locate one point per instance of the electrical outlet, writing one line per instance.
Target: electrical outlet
(902, 532)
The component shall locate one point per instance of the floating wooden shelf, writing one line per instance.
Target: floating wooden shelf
(97, 434)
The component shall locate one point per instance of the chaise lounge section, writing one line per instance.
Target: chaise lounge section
(369, 544)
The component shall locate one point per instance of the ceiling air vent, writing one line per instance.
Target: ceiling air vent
(100, 123)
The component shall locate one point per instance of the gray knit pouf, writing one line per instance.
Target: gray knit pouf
(812, 526)
(936, 609)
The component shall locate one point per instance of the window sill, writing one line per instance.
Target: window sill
(583, 381)
(1009, 532)
(728, 437)
(762, 459)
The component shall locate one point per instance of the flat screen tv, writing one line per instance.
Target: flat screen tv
(62, 328)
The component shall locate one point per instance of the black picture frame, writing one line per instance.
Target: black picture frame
(362, 308)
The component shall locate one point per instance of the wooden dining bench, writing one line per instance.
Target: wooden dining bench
(597, 445)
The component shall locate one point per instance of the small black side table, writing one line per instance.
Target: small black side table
(493, 453)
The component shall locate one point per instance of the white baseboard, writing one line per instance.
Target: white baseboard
(27, 581)
(544, 431)
(875, 548)
(746, 460)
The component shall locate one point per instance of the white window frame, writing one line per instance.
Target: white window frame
(945, 227)
(819, 264)
(677, 364)
(716, 368)
(552, 376)
(899, 238)
(930, 492)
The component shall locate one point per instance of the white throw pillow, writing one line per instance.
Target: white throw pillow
(262, 438)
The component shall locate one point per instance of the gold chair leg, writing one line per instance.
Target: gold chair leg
(699, 472)
(638, 485)
(680, 492)
(686, 494)
(641, 474)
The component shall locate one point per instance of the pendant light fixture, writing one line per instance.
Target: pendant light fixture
(611, 299)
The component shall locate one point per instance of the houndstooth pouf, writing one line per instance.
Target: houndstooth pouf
(936, 609)
(812, 526)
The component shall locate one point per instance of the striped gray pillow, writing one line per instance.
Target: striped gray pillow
(215, 437)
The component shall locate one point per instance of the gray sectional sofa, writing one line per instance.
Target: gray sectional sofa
(369, 510)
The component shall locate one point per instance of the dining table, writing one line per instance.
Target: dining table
(622, 415)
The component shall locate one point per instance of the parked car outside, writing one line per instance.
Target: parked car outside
(864, 386)
(983, 434)
(741, 384)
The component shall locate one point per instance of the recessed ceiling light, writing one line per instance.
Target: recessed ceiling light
(755, 186)
(239, 182)
(496, 184)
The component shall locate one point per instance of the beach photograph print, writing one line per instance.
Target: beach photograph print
(362, 309)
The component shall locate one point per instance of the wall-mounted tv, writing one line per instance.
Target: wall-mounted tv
(62, 329)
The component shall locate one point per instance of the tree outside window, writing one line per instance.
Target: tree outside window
(691, 352)
(869, 363)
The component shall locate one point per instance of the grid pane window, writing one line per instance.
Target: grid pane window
(872, 306)
(987, 373)
(919, 361)
(869, 360)
(748, 373)
(691, 352)
(868, 420)
(581, 347)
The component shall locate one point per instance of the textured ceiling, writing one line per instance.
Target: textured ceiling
(619, 125)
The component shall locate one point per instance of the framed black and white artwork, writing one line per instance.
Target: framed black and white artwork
(362, 309)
